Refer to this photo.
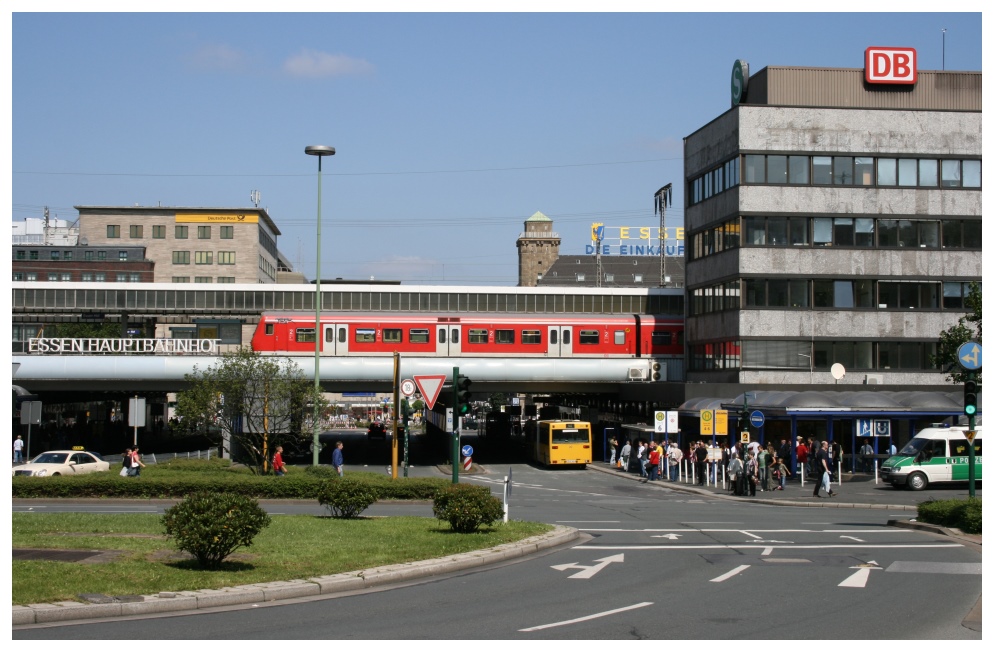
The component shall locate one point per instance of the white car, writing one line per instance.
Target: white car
(62, 463)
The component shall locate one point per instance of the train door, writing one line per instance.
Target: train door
(448, 340)
(560, 341)
(335, 339)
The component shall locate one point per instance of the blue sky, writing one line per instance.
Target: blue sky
(450, 129)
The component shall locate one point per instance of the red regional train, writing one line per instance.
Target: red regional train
(477, 336)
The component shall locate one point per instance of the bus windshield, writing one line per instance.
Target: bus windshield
(570, 436)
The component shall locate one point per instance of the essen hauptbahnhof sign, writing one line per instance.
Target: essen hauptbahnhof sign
(100, 345)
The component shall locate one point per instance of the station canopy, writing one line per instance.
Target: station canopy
(795, 403)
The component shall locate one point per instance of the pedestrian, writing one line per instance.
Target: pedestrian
(626, 452)
(279, 467)
(701, 459)
(18, 450)
(784, 452)
(613, 445)
(823, 464)
(735, 471)
(802, 456)
(762, 468)
(780, 473)
(642, 459)
(752, 473)
(675, 457)
(653, 463)
(660, 467)
(126, 463)
(136, 463)
(865, 455)
(836, 452)
(337, 459)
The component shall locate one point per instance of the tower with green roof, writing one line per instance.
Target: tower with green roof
(538, 248)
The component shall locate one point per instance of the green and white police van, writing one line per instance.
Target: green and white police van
(938, 454)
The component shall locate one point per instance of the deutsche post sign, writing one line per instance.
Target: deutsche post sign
(218, 218)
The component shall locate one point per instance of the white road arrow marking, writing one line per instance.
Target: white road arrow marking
(853, 538)
(858, 579)
(671, 537)
(590, 571)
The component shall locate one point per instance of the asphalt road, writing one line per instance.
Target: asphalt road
(653, 563)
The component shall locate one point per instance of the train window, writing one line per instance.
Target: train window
(419, 336)
(504, 336)
(393, 335)
(341, 335)
(619, 337)
(553, 337)
(441, 335)
(305, 334)
(590, 337)
(365, 335)
(662, 338)
(329, 335)
(269, 329)
(531, 337)
(478, 336)
(566, 336)
(455, 336)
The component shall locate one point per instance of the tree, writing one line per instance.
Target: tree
(249, 404)
(950, 340)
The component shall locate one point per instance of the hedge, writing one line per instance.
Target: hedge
(964, 514)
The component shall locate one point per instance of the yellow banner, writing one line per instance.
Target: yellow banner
(219, 218)
(707, 422)
(721, 422)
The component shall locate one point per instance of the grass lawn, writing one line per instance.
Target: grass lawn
(293, 547)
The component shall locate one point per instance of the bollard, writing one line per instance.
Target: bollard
(876, 471)
(840, 473)
(802, 476)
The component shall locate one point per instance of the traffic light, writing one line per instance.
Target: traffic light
(970, 397)
(463, 396)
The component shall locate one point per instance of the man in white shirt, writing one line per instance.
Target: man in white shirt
(675, 455)
(18, 447)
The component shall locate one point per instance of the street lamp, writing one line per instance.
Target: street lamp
(320, 151)
(811, 369)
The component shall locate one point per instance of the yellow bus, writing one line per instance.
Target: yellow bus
(560, 443)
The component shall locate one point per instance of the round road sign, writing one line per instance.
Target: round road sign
(756, 418)
(467, 450)
(407, 387)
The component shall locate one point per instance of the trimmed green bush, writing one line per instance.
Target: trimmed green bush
(964, 514)
(211, 526)
(466, 507)
(346, 498)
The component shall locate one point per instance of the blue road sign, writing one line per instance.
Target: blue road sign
(467, 451)
(756, 419)
(864, 428)
(970, 356)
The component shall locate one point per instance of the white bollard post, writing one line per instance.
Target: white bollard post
(693, 474)
(802, 475)
(876, 471)
(840, 473)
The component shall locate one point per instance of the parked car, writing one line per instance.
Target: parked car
(376, 431)
(62, 463)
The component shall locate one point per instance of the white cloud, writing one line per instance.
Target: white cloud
(217, 57)
(311, 63)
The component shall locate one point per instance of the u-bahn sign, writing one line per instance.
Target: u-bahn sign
(97, 345)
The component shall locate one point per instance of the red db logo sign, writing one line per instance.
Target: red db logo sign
(891, 65)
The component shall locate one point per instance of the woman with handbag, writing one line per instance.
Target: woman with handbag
(752, 473)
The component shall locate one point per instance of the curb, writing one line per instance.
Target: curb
(166, 601)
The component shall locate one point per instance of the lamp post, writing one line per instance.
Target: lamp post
(811, 369)
(320, 151)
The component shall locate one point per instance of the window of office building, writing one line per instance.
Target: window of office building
(18, 276)
(181, 279)
(182, 232)
(227, 232)
(204, 258)
(225, 279)
(226, 258)
(86, 277)
(203, 279)
(32, 276)
(181, 258)
(135, 231)
(102, 254)
(158, 231)
(204, 232)
(122, 255)
(113, 230)
(55, 255)
(87, 255)
(121, 277)
(20, 254)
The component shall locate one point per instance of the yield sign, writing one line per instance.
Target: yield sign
(430, 387)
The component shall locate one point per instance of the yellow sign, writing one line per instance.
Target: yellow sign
(634, 232)
(707, 422)
(596, 231)
(219, 218)
(744, 437)
(970, 434)
(721, 422)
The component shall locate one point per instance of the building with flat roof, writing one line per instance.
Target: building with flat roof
(191, 244)
(833, 227)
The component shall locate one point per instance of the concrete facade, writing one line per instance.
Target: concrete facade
(808, 332)
(189, 244)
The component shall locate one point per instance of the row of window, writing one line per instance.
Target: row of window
(85, 277)
(817, 170)
(267, 267)
(60, 254)
(204, 257)
(830, 293)
(181, 231)
(858, 232)
(813, 356)
(204, 279)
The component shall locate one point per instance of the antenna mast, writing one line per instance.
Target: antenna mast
(663, 198)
